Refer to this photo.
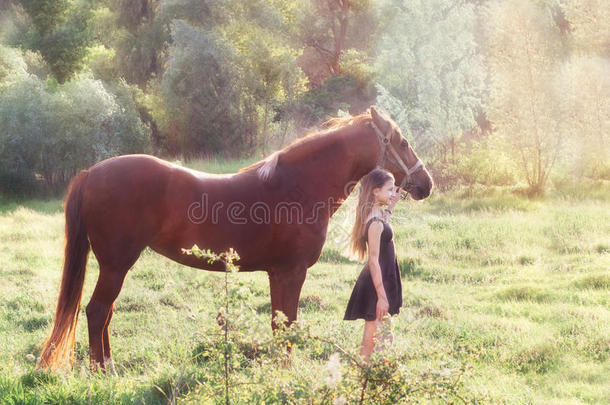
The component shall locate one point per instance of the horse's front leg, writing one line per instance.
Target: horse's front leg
(285, 285)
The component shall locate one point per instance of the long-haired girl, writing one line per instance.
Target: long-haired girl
(378, 290)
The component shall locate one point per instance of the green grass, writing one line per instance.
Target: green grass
(218, 165)
(517, 289)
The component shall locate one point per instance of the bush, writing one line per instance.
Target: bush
(234, 344)
(18, 183)
(51, 131)
(473, 162)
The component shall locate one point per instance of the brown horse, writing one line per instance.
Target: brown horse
(274, 213)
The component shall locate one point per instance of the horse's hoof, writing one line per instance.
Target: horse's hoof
(109, 366)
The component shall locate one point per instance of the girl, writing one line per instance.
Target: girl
(378, 290)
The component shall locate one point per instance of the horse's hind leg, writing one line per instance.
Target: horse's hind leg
(108, 362)
(99, 310)
(100, 307)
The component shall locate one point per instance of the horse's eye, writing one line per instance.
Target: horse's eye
(404, 143)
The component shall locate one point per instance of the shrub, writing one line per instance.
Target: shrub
(51, 131)
(386, 379)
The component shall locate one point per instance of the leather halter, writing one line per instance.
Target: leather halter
(384, 142)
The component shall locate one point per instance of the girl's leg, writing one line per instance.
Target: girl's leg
(368, 339)
(385, 338)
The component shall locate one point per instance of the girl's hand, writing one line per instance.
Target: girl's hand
(382, 308)
(395, 197)
(402, 193)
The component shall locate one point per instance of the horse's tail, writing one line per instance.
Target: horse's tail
(58, 349)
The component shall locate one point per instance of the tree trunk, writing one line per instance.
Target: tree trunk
(265, 127)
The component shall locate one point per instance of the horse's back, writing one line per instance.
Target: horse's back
(122, 201)
(141, 200)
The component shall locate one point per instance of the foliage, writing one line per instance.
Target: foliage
(329, 29)
(428, 59)
(485, 162)
(60, 32)
(396, 109)
(199, 90)
(11, 63)
(582, 94)
(522, 50)
(341, 92)
(228, 77)
(588, 25)
(386, 379)
(269, 78)
(55, 130)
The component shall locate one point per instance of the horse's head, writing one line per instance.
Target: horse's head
(397, 156)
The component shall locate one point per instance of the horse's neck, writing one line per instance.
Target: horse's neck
(331, 176)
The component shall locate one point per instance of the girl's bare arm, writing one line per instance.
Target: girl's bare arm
(374, 237)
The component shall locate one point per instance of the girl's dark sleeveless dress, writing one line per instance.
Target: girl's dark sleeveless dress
(363, 302)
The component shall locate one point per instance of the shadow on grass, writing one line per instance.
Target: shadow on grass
(42, 206)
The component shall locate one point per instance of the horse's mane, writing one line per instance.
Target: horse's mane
(266, 167)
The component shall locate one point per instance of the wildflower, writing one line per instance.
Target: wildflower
(334, 369)
(445, 372)
(340, 401)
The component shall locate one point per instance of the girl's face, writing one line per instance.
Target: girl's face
(383, 194)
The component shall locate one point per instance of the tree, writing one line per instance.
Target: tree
(328, 28)
(60, 32)
(522, 45)
(200, 92)
(588, 20)
(582, 91)
(140, 33)
(429, 61)
(11, 63)
(266, 61)
(583, 88)
(243, 51)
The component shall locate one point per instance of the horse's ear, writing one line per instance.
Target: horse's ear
(378, 118)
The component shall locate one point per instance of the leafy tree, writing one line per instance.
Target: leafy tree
(199, 89)
(588, 22)
(269, 76)
(428, 59)
(241, 46)
(328, 28)
(522, 53)
(60, 32)
(335, 42)
(140, 38)
(583, 88)
(582, 93)
(11, 62)
(397, 110)
(236, 77)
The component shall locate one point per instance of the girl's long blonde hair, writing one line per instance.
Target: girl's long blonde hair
(373, 179)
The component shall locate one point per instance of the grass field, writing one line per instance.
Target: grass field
(515, 290)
